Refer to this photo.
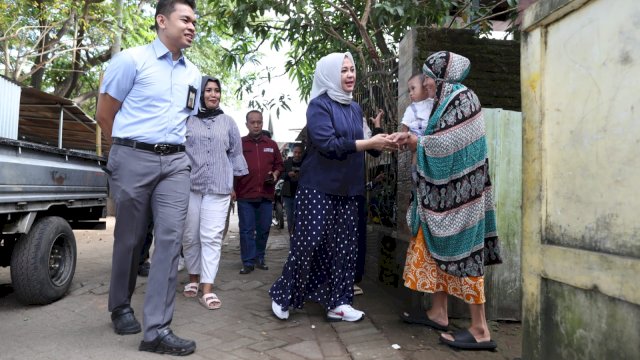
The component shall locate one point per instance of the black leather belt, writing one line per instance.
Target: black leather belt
(162, 149)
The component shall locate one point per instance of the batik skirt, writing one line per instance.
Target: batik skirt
(421, 273)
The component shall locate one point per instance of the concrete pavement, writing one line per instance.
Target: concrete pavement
(78, 326)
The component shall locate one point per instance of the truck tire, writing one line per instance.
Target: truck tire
(44, 261)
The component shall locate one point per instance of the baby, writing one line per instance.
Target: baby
(416, 117)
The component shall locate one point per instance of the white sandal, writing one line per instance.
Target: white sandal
(190, 290)
(357, 290)
(210, 301)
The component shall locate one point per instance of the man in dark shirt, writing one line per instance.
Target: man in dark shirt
(291, 173)
(254, 193)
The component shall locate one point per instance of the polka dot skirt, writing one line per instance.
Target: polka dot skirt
(322, 256)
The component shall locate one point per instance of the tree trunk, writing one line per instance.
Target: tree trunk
(36, 78)
(117, 42)
(71, 82)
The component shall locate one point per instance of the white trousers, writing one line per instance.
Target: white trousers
(202, 238)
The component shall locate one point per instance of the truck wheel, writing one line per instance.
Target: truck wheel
(44, 261)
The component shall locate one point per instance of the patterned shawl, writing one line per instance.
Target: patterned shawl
(454, 198)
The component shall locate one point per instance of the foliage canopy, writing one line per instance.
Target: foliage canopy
(309, 29)
(61, 46)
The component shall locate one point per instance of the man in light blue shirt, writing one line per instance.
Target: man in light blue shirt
(145, 98)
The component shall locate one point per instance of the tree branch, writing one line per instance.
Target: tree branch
(362, 29)
(334, 34)
(97, 59)
(455, 16)
(367, 12)
(82, 98)
(335, 6)
(382, 44)
(41, 65)
(490, 17)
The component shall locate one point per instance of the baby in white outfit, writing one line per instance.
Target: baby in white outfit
(416, 117)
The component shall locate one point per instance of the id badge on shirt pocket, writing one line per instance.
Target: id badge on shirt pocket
(191, 98)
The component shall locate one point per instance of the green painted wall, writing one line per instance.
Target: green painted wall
(504, 142)
(585, 324)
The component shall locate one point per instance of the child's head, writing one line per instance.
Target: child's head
(421, 87)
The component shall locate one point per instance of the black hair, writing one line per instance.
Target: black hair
(298, 145)
(252, 111)
(166, 7)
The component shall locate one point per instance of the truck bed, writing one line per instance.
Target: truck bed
(34, 175)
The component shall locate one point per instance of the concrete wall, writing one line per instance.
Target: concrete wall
(581, 247)
(495, 64)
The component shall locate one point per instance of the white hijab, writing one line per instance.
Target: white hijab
(327, 78)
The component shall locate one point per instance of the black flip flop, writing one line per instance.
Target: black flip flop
(422, 319)
(463, 339)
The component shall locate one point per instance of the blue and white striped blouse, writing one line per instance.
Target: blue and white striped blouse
(215, 149)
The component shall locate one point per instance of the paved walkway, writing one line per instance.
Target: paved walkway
(78, 326)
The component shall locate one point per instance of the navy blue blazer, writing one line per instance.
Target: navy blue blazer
(332, 165)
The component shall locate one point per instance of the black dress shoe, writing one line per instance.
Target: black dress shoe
(168, 343)
(143, 269)
(124, 322)
(246, 269)
(262, 266)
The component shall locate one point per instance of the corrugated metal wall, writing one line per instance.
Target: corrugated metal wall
(9, 109)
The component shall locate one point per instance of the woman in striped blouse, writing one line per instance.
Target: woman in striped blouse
(215, 149)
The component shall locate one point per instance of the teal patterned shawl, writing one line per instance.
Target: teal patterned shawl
(454, 200)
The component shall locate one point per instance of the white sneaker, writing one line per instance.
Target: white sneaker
(180, 264)
(345, 313)
(277, 311)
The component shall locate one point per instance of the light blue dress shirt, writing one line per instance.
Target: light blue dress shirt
(153, 90)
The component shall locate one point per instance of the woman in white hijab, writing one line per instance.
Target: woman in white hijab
(322, 256)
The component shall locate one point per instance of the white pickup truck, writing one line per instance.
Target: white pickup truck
(45, 192)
